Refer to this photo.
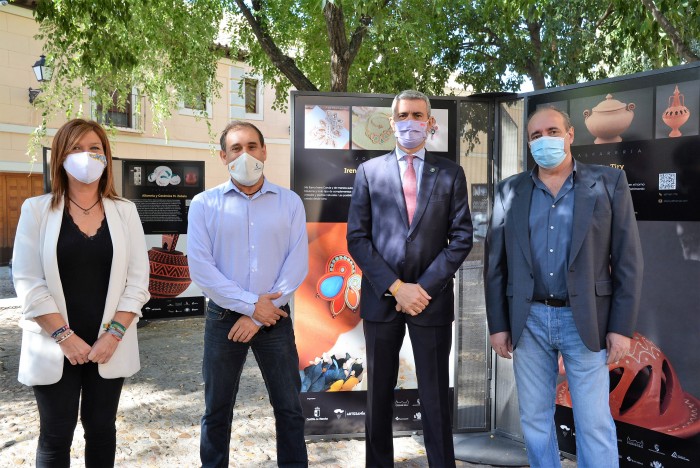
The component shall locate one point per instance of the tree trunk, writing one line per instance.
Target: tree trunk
(533, 65)
(342, 53)
(340, 65)
(679, 45)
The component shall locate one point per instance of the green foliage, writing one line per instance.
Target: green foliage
(405, 45)
(554, 43)
(644, 39)
(164, 48)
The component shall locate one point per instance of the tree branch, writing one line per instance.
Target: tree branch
(282, 61)
(679, 45)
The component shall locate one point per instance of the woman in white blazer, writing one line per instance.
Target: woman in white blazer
(80, 267)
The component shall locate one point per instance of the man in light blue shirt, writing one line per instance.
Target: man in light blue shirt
(248, 251)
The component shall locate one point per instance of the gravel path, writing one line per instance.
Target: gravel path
(160, 408)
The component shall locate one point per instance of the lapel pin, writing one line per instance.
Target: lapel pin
(432, 169)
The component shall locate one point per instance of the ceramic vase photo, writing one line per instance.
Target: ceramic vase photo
(676, 114)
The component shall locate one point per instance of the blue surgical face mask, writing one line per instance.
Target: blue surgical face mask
(410, 133)
(548, 152)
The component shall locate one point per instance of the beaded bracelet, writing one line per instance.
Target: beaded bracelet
(115, 326)
(61, 330)
(65, 336)
(115, 333)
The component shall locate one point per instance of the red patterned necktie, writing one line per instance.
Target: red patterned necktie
(410, 188)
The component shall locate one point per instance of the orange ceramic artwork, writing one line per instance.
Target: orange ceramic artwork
(676, 114)
(645, 391)
(608, 120)
(318, 319)
(169, 270)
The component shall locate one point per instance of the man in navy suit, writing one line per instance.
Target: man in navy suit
(409, 230)
(563, 274)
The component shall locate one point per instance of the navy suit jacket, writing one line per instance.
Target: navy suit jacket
(428, 252)
(604, 267)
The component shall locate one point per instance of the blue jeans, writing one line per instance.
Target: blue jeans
(276, 354)
(550, 331)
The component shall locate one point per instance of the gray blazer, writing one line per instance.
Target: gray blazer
(605, 265)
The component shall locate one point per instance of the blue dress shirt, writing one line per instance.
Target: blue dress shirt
(240, 247)
(551, 224)
(417, 165)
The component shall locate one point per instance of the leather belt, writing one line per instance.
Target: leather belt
(213, 305)
(218, 308)
(554, 302)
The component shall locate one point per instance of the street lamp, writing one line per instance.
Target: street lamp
(42, 73)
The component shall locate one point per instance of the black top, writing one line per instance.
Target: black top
(84, 264)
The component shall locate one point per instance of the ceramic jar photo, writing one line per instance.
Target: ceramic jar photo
(170, 272)
(608, 120)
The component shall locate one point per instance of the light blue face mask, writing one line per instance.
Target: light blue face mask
(548, 152)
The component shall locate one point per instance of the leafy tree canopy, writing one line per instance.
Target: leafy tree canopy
(166, 48)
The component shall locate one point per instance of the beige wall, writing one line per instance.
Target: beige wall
(187, 137)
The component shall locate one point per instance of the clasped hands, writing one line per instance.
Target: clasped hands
(265, 312)
(77, 351)
(411, 298)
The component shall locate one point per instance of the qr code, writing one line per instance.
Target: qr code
(667, 181)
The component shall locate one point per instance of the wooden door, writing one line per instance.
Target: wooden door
(15, 187)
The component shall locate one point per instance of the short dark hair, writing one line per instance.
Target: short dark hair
(237, 125)
(542, 108)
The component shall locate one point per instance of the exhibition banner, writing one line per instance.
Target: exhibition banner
(649, 126)
(162, 192)
(332, 134)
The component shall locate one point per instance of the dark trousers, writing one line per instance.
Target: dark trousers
(276, 353)
(58, 414)
(431, 352)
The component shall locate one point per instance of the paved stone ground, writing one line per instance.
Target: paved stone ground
(160, 408)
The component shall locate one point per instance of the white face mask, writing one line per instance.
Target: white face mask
(245, 169)
(85, 167)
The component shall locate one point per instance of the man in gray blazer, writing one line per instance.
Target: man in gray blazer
(563, 274)
(409, 230)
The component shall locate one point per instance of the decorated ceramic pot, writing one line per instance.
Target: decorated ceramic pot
(169, 270)
(676, 114)
(608, 120)
(645, 391)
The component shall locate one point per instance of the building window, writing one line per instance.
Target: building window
(246, 94)
(121, 116)
(251, 95)
(199, 106)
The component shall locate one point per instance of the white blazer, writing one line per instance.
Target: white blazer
(38, 285)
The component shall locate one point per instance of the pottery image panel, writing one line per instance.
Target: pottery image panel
(169, 269)
(607, 120)
(327, 127)
(677, 109)
(613, 117)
